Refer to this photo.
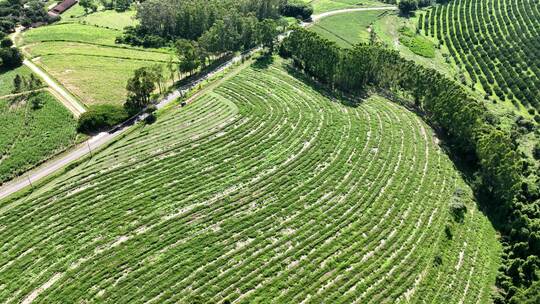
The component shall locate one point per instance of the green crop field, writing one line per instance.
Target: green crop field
(496, 42)
(85, 59)
(265, 189)
(30, 136)
(347, 29)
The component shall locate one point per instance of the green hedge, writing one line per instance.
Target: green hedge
(101, 117)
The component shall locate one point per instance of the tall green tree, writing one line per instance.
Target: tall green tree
(17, 84)
(159, 78)
(88, 5)
(406, 7)
(267, 34)
(187, 53)
(140, 88)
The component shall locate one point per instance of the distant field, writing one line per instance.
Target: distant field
(109, 19)
(265, 190)
(71, 32)
(347, 29)
(85, 59)
(321, 6)
(496, 43)
(31, 136)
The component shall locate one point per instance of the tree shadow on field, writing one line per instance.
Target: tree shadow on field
(350, 100)
(263, 62)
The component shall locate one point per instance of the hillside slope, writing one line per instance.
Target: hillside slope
(264, 190)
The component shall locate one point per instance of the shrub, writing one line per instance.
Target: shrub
(150, 119)
(406, 7)
(11, 58)
(536, 151)
(448, 232)
(6, 42)
(457, 206)
(101, 117)
(437, 261)
(297, 9)
(424, 3)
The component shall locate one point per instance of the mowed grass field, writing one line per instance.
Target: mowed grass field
(104, 18)
(264, 190)
(85, 59)
(30, 136)
(347, 29)
(321, 6)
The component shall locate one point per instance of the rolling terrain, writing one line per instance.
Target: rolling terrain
(254, 194)
(273, 179)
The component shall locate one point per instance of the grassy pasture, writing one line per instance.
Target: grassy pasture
(6, 79)
(71, 32)
(85, 59)
(347, 29)
(93, 79)
(107, 19)
(417, 43)
(321, 6)
(92, 50)
(30, 136)
(264, 190)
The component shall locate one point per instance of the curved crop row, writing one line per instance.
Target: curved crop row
(264, 190)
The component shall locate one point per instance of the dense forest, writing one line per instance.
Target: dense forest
(216, 24)
(500, 173)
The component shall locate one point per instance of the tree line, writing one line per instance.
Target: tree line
(199, 32)
(472, 131)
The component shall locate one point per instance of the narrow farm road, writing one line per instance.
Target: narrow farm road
(22, 93)
(99, 140)
(70, 102)
(67, 99)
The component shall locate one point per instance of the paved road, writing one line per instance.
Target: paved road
(98, 140)
(105, 137)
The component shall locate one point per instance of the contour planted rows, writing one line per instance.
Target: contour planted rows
(497, 42)
(264, 190)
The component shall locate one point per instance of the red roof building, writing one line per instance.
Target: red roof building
(62, 7)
